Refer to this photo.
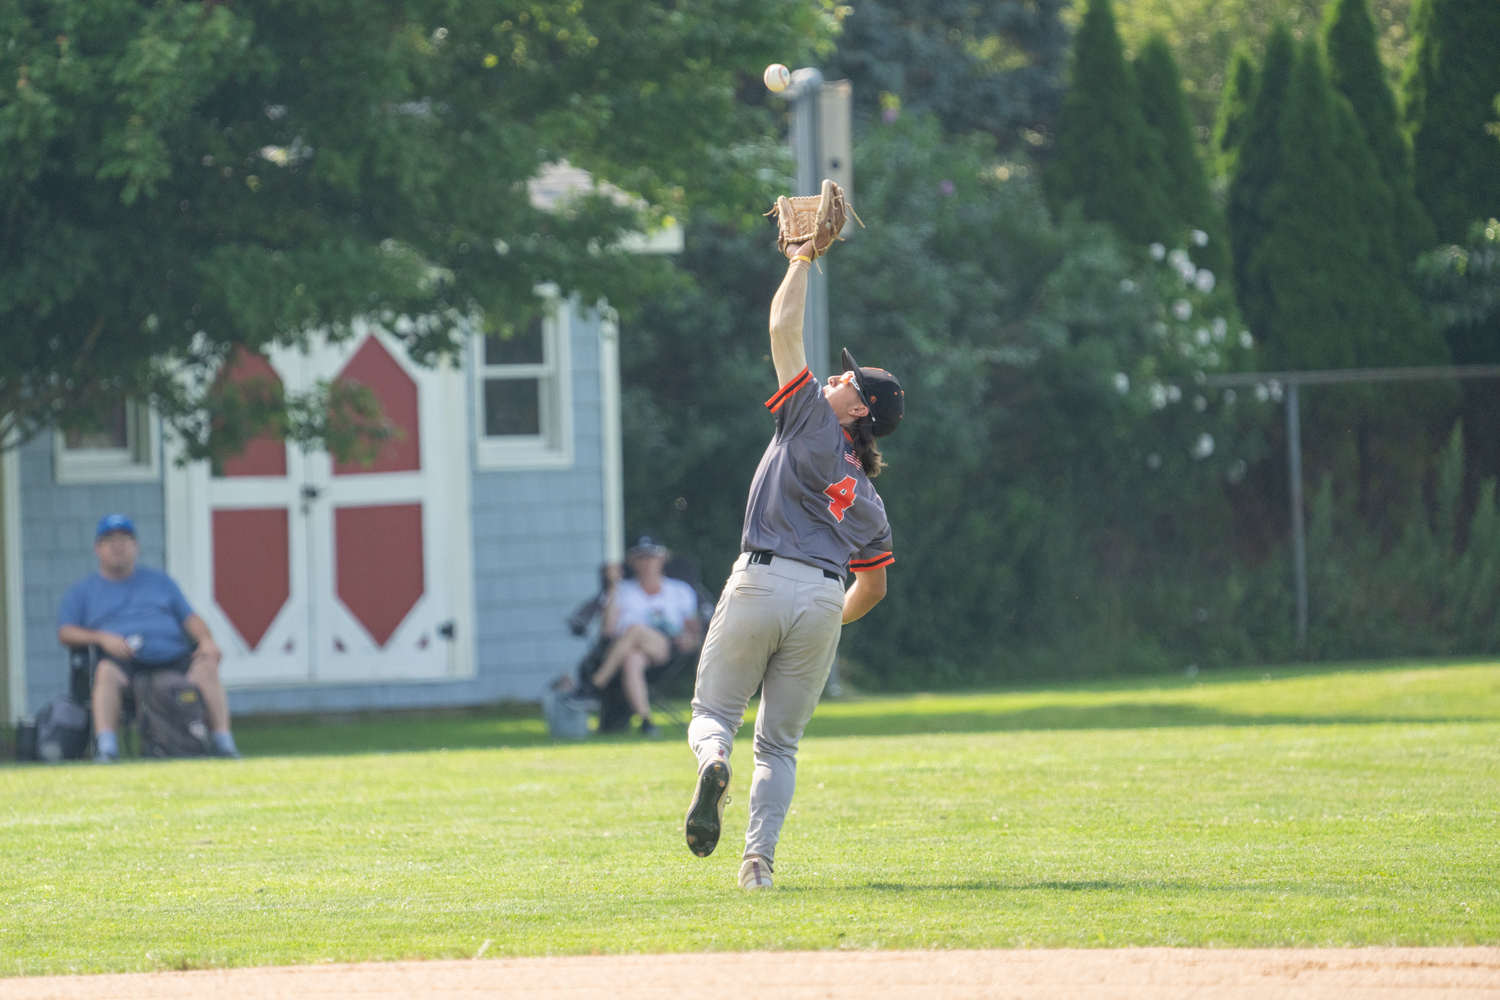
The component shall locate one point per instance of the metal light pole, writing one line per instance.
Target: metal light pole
(1299, 533)
(805, 95)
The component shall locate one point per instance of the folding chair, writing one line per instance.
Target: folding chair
(614, 709)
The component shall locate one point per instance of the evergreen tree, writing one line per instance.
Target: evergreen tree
(1234, 108)
(1257, 163)
(1327, 278)
(1106, 158)
(995, 67)
(1328, 289)
(1451, 85)
(1184, 179)
(1355, 69)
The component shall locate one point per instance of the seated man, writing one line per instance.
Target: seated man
(648, 617)
(140, 621)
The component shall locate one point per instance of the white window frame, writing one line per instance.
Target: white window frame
(138, 462)
(553, 447)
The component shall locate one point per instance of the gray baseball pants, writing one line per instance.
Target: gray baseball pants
(776, 625)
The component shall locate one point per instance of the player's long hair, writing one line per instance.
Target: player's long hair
(862, 433)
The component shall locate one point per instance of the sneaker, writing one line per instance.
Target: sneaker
(755, 873)
(650, 730)
(705, 816)
(228, 753)
(106, 758)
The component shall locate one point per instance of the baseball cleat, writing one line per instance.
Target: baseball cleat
(705, 816)
(755, 873)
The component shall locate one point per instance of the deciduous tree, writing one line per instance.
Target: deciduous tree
(995, 66)
(181, 178)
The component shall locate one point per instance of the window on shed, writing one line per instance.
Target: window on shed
(522, 394)
(121, 445)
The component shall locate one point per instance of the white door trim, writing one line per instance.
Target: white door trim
(15, 618)
(448, 526)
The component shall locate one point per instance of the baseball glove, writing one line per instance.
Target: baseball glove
(815, 218)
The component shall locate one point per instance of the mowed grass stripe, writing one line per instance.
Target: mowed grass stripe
(1346, 831)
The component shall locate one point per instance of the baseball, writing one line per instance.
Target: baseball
(777, 78)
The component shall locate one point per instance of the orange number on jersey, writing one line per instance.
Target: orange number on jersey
(840, 497)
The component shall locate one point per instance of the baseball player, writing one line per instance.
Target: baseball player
(813, 515)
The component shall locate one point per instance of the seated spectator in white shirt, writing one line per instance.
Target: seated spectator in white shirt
(648, 617)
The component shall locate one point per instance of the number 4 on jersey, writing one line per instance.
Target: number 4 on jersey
(840, 497)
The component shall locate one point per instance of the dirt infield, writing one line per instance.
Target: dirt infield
(1134, 973)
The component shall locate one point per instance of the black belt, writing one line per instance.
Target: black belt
(763, 557)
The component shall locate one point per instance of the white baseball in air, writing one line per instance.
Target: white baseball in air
(777, 78)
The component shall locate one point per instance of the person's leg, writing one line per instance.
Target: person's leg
(205, 675)
(746, 628)
(794, 681)
(215, 702)
(110, 682)
(637, 639)
(634, 677)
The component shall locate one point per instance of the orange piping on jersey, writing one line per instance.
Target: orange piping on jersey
(864, 566)
(785, 392)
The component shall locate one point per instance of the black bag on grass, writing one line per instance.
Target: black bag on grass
(62, 730)
(170, 716)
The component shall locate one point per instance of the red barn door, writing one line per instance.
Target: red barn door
(312, 570)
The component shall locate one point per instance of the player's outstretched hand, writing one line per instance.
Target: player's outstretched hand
(794, 250)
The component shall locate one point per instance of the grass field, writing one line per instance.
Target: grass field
(1336, 807)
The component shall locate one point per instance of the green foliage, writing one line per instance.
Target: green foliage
(1186, 793)
(178, 179)
(1451, 84)
(1462, 283)
(1355, 70)
(1046, 423)
(1234, 108)
(1257, 164)
(1106, 159)
(996, 67)
(1206, 34)
(1064, 499)
(1053, 435)
(695, 367)
(1185, 182)
(1326, 286)
(1437, 589)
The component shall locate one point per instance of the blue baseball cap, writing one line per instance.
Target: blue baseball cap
(114, 522)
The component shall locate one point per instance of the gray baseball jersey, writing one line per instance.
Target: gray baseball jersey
(811, 500)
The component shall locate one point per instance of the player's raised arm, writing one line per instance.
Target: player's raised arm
(807, 228)
(786, 316)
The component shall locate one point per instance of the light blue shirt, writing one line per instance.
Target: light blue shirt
(147, 608)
